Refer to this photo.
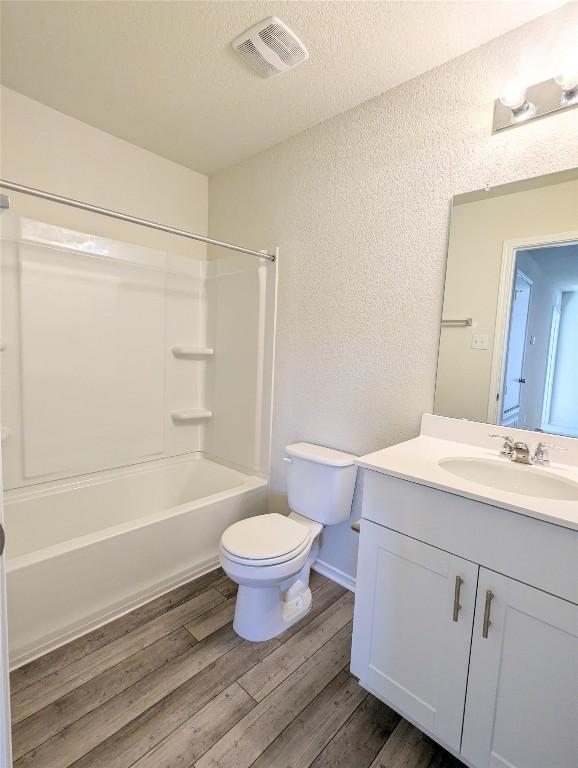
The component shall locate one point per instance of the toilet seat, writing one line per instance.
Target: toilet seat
(270, 556)
(265, 540)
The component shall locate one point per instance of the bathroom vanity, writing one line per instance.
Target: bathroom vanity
(466, 611)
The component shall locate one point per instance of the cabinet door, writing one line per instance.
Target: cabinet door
(522, 702)
(411, 642)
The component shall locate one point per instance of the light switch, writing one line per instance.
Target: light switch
(480, 342)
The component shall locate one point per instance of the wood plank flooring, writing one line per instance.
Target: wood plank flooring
(170, 685)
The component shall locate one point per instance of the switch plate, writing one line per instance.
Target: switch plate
(480, 341)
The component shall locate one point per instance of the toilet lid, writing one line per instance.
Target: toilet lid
(264, 537)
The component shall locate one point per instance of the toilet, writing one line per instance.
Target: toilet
(270, 556)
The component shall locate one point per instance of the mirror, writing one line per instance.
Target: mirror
(509, 333)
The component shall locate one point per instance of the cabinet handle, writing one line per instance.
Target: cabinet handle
(457, 588)
(487, 611)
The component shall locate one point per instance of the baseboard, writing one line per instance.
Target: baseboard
(333, 573)
(72, 632)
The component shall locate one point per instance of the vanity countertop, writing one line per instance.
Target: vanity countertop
(417, 460)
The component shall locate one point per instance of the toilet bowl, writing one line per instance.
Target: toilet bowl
(270, 556)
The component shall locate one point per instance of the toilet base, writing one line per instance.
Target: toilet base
(262, 612)
(272, 598)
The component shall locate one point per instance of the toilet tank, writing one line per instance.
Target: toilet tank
(320, 482)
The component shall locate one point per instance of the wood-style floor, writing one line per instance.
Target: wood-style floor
(171, 685)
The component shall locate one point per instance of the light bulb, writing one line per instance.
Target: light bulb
(514, 96)
(568, 78)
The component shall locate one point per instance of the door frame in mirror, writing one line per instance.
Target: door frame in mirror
(504, 307)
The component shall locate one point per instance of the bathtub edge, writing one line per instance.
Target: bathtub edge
(121, 609)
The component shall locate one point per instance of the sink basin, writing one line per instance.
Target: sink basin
(523, 479)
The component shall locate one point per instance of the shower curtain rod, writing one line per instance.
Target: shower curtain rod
(131, 219)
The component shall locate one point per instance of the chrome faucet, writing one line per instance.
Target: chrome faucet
(520, 453)
(541, 454)
(517, 452)
(508, 447)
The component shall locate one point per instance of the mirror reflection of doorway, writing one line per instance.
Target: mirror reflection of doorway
(560, 411)
(514, 378)
(540, 379)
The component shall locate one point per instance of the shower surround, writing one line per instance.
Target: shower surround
(136, 400)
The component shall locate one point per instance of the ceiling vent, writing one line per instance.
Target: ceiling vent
(270, 47)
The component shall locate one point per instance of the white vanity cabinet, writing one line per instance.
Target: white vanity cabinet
(495, 681)
(413, 625)
(522, 696)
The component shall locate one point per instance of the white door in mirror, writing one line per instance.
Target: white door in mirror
(516, 346)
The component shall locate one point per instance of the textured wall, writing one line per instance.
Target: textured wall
(359, 206)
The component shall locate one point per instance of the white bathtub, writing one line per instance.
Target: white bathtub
(84, 551)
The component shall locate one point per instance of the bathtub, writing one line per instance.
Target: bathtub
(84, 551)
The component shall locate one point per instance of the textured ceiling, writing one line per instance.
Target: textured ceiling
(162, 74)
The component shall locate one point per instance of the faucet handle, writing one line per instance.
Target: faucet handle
(508, 446)
(541, 452)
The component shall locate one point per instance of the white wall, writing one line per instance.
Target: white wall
(359, 206)
(43, 148)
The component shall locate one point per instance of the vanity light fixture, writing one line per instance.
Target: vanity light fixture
(519, 104)
(514, 99)
(567, 79)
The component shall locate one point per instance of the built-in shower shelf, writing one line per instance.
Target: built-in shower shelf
(183, 351)
(192, 415)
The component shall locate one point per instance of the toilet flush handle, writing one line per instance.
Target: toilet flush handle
(287, 459)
